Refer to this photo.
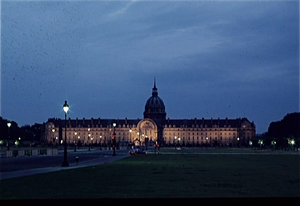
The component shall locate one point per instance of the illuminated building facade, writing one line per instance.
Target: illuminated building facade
(154, 127)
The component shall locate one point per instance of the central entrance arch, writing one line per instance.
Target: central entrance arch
(147, 132)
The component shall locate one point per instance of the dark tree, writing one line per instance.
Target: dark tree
(289, 126)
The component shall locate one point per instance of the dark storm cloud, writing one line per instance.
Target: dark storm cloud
(211, 59)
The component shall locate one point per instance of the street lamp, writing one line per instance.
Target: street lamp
(75, 133)
(175, 142)
(273, 143)
(291, 142)
(130, 130)
(89, 142)
(146, 142)
(8, 125)
(53, 130)
(260, 142)
(100, 142)
(78, 142)
(114, 139)
(65, 162)
(143, 138)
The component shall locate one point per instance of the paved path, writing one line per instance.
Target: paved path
(91, 158)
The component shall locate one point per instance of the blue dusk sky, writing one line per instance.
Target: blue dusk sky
(210, 58)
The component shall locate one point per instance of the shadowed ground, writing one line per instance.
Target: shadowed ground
(169, 175)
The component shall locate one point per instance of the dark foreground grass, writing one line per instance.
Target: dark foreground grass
(167, 176)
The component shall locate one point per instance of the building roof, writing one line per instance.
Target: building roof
(134, 122)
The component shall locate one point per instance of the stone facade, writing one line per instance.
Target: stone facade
(153, 128)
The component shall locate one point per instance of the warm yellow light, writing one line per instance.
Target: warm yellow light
(75, 133)
(8, 124)
(130, 130)
(114, 124)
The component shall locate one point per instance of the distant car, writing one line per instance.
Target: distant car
(136, 151)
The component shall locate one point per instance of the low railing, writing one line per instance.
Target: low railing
(30, 152)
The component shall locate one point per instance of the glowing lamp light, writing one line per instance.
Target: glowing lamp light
(8, 124)
(66, 107)
(293, 142)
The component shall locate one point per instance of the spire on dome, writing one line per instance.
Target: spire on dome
(154, 90)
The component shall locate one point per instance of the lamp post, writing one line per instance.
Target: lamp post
(146, 142)
(130, 130)
(65, 162)
(78, 142)
(114, 139)
(139, 138)
(273, 143)
(175, 142)
(8, 125)
(89, 142)
(291, 142)
(100, 142)
(56, 140)
(260, 142)
(143, 138)
(75, 133)
(53, 130)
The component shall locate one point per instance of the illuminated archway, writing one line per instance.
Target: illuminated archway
(147, 131)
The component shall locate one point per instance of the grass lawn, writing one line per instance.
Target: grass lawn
(167, 176)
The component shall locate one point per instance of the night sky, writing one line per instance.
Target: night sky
(210, 59)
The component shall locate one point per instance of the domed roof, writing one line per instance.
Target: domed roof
(154, 104)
